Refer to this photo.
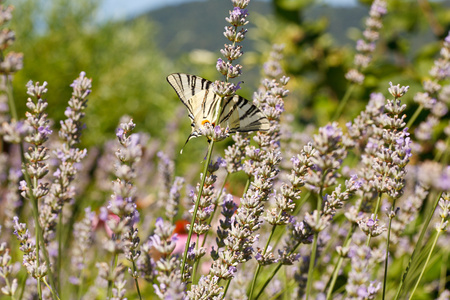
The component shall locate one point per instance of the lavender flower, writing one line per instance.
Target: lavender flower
(174, 198)
(145, 263)
(366, 46)
(6, 271)
(11, 62)
(432, 98)
(84, 237)
(330, 151)
(394, 152)
(214, 133)
(60, 191)
(237, 18)
(167, 267)
(228, 209)
(444, 205)
(269, 97)
(166, 169)
(207, 288)
(36, 167)
(235, 153)
(11, 197)
(370, 226)
(28, 247)
(359, 284)
(15, 131)
(125, 236)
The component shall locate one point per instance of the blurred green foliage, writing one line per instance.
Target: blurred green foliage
(61, 38)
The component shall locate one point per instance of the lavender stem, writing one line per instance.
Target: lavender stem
(426, 262)
(339, 263)
(258, 269)
(275, 271)
(418, 247)
(316, 237)
(387, 250)
(343, 102)
(414, 116)
(194, 214)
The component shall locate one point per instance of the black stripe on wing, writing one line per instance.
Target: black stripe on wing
(212, 98)
(186, 86)
(229, 107)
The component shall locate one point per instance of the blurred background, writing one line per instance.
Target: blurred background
(129, 47)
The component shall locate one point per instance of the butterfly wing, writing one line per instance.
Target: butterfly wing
(187, 86)
(197, 95)
(242, 116)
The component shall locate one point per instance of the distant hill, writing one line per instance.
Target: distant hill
(199, 25)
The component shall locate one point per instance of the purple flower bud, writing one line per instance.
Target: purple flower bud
(45, 130)
(175, 238)
(119, 133)
(238, 86)
(57, 173)
(258, 256)
(159, 222)
(362, 292)
(103, 215)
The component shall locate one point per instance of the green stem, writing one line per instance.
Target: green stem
(301, 202)
(197, 262)
(226, 288)
(60, 237)
(274, 272)
(113, 266)
(417, 248)
(441, 153)
(426, 262)
(343, 102)
(22, 289)
(311, 265)
(258, 269)
(346, 243)
(387, 250)
(12, 104)
(443, 280)
(414, 116)
(314, 245)
(50, 288)
(79, 287)
(280, 265)
(340, 261)
(194, 215)
(194, 272)
(296, 210)
(37, 234)
(136, 281)
(247, 185)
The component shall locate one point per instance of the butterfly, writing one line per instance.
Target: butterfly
(196, 93)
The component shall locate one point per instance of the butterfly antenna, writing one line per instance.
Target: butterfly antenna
(189, 137)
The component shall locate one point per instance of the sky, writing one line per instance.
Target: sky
(119, 9)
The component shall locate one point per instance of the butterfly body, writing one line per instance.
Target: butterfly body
(197, 94)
